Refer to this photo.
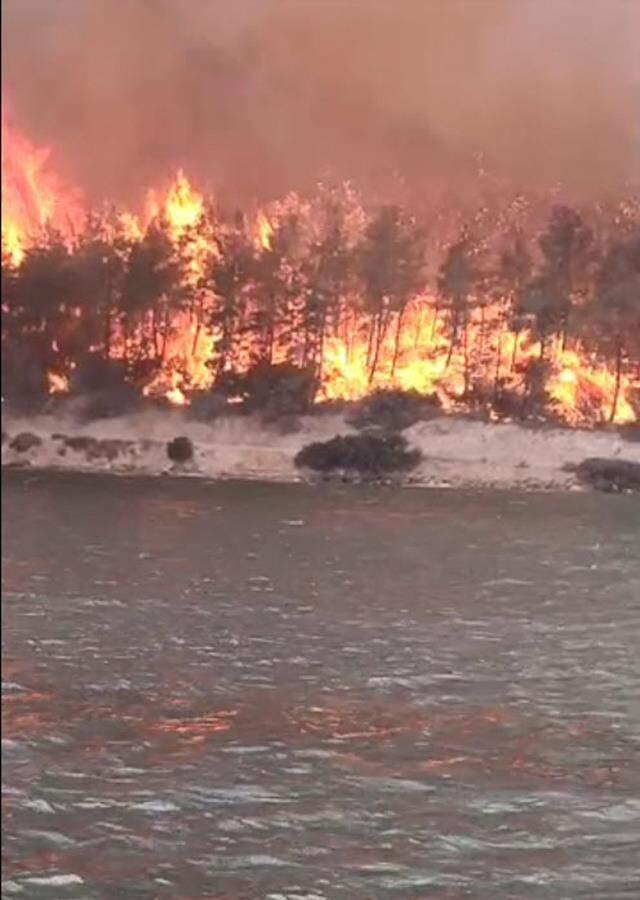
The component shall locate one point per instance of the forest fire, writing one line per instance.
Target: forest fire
(186, 299)
(33, 197)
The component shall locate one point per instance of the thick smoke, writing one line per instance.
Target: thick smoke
(410, 98)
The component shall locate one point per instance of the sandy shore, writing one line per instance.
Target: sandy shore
(456, 452)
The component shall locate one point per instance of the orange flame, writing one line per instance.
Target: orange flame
(58, 384)
(182, 206)
(33, 197)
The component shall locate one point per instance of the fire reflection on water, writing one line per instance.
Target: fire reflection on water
(476, 744)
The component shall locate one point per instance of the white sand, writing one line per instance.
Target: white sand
(457, 452)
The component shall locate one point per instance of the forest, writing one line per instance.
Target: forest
(518, 310)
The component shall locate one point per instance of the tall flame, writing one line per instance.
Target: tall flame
(189, 346)
(33, 196)
(182, 206)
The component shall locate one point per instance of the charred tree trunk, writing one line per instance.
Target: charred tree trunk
(271, 339)
(396, 342)
(165, 333)
(233, 328)
(107, 333)
(543, 347)
(434, 322)
(514, 352)
(482, 331)
(370, 341)
(453, 340)
(223, 351)
(155, 333)
(125, 340)
(381, 333)
(376, 350)
(319, 360)
(196, 337)
(108, 312)
(565, 329)
(268, 336)
(197, 315)
(496, 374)
(465, 346)
(616, 387)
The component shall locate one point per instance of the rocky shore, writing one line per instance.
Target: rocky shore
(456, 452)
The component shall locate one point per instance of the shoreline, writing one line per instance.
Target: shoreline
(457, 452)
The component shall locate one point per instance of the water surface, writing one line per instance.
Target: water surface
(267, 691)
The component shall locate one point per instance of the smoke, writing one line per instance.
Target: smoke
(410, 99)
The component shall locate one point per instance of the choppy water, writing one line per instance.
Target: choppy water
(278, 692)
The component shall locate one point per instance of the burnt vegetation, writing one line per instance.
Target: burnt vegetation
(393, 410)
(99, 312)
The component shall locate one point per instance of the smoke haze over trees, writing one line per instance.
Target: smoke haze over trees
(416, 99)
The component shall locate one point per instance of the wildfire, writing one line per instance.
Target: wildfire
(414, 350)
(182, 206)
(579, 388)
(33, 197)
(130, 225)
(58, 384)
(416, 362)
(12, 241)
(265, 231)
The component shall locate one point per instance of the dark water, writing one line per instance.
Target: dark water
(275, 692)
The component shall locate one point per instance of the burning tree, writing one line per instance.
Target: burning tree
(329, 273)
(392, 266)
(456, 284)
(229, 279)
(562, 280)
(611, 321)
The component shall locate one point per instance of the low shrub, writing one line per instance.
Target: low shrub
(94, 373)
(106, 388)
(507, 403)
(206, 406)
(180, 450)
(82, 444)
(367, 454)
(274, 390)
(108, 403)
(283, 425)
(630, 431)
(94, 448)
(112, 448)
(393, 410)
(536, 401)
(611, 475)
(24, 441)
(24, 380)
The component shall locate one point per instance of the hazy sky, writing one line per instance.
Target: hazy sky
(256, 96)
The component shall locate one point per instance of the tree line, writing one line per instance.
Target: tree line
(326, 266)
